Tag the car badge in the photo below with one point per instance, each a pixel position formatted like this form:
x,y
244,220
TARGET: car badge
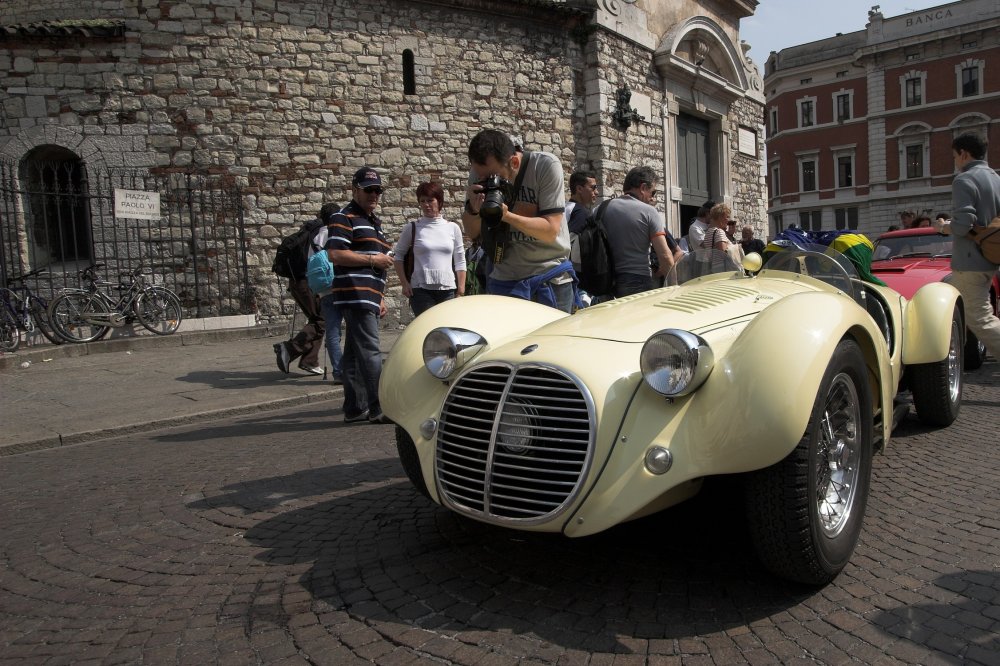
x,y
528,349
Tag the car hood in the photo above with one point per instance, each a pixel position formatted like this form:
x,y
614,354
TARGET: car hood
x,y
692,308
907,274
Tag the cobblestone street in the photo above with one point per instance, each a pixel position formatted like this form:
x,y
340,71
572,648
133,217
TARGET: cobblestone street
x,y
278,538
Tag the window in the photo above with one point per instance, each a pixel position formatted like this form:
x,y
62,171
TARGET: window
x,y
841,74
914,161
56,208
775,181
914,92
843,107
773,121
805,81
971,44
808,175
846,218
409,74
912,53
811,220
779,224
807,111
845,171
969,77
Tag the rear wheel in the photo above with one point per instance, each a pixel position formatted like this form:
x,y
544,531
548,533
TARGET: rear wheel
x,y
937,387
40,315
805,513
10,336
159,310
68,315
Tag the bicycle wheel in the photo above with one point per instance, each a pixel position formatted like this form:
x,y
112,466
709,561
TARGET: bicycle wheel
x,y
159,310
68,316
40,315
10,336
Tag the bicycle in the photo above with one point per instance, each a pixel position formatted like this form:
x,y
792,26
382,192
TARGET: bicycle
x,y
85,315
23,310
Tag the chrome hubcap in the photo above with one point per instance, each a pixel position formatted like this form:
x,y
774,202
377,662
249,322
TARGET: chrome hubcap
x,y
954,367
838,456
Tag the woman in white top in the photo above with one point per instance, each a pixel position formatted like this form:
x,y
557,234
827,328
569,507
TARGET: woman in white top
x,y
438,254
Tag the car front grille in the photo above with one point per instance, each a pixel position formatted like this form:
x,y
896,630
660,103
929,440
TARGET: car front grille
x,y
514,443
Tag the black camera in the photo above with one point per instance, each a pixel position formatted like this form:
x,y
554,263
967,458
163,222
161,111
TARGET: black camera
x,y
498,191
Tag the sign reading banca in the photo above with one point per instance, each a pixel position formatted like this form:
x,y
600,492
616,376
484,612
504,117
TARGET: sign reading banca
x,y
137,204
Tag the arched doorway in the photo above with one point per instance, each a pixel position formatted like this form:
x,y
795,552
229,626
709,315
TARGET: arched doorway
x,y
56,209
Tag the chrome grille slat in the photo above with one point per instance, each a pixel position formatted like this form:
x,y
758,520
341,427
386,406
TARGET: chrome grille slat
x,y
522,433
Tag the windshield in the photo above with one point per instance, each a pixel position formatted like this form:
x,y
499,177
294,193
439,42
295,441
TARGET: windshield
x,y
934,245
700,263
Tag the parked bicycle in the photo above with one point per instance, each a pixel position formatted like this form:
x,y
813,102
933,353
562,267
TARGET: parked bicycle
x,y
85,315
23,310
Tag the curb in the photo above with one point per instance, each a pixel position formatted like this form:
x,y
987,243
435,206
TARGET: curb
x,y
68,439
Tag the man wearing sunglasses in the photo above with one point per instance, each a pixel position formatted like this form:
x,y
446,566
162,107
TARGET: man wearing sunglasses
x,y
634,225
358,250
535,261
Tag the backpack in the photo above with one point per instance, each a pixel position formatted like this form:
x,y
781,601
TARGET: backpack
x,y
597,266
292,254
319,273
988,240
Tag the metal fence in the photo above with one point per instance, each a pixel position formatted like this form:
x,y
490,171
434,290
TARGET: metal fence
x,y
60,216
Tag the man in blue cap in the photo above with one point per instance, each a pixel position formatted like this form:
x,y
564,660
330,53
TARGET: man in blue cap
x,y
358,250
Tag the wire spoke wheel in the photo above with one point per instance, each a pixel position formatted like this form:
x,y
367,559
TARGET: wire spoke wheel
x,y
40,316
10,336
71,316
159,310
838,455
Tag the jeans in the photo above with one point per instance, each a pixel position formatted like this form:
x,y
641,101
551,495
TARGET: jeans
x,y
362,362
979,318
627,284
308,342
333,318
564,296
424,299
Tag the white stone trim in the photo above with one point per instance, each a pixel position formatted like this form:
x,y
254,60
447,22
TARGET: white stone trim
x,y
798,111
850,104
903,78
969,63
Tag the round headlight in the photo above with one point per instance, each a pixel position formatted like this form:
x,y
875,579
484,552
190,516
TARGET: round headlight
x,y
448,349
675,362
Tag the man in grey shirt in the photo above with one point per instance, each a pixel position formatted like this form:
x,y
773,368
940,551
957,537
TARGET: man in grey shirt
x,y
975,200
633,225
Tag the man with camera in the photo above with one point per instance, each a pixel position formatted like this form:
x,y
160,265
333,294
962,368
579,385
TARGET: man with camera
x,y
515,205
358,251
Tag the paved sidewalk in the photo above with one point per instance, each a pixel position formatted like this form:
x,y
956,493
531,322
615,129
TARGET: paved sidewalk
x,y
76,393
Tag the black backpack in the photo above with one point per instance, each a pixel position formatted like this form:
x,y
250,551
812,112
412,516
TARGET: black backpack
x,y
597,266
292,254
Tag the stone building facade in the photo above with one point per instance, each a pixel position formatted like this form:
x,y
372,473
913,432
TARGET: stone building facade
x,y
285,100
860,125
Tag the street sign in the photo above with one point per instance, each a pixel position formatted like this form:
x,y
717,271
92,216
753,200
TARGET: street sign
x,y
137,204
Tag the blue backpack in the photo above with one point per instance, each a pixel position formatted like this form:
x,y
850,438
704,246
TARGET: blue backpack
x,y
319,273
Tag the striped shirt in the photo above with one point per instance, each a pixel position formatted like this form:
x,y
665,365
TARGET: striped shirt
x,y
357,286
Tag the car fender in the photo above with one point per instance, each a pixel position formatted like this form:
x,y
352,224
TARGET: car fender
x,y
928,323
751,412
409,394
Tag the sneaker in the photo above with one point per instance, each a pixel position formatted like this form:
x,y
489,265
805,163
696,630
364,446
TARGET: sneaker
x,y
282,356
378,417
312,371
357,417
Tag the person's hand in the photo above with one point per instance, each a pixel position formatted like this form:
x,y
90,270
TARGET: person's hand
x,y
407,289
460,291
383,310
381,261
945,229
475,196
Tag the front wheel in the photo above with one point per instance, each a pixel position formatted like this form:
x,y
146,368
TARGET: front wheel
x,y
40,315
10,336
805,512
69,313
159,310
937,387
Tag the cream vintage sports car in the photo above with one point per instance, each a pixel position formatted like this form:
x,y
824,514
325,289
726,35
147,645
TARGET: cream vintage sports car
x,y
519,415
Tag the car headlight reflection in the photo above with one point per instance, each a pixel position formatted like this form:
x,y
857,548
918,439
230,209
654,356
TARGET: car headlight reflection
x,y
675,362
448,349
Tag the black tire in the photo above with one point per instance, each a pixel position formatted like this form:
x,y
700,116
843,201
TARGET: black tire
x,y
937,387
10,335
410,461
975,351
159,310
40,315
67,314
805,512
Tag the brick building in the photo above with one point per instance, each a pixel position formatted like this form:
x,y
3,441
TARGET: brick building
x,y
860,125
280,102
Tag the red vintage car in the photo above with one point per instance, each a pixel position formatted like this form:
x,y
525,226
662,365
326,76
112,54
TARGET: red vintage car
x,y
910,258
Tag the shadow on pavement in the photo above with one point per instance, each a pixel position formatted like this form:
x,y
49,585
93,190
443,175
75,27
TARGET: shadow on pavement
x,y
317,418
388,555
243,380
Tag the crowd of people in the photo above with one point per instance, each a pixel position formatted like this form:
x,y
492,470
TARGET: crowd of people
x,y
524,238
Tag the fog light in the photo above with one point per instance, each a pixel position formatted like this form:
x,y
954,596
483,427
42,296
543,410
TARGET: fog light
x,y
428,428
658,460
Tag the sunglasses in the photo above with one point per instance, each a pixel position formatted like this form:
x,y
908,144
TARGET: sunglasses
x,y
373,189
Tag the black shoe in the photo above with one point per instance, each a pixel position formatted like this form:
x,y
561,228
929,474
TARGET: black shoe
x,y
378,417
282,356
357,417
337,379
